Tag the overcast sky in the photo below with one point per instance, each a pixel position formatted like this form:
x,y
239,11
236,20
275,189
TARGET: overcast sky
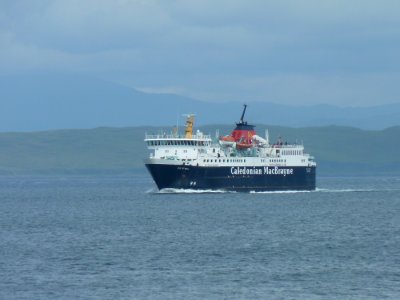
x,y
292,52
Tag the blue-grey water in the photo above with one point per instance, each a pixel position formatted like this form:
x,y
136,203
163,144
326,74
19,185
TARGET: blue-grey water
x,y
115,238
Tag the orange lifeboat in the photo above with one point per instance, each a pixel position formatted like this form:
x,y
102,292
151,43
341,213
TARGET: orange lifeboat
x,y
227,141
243,146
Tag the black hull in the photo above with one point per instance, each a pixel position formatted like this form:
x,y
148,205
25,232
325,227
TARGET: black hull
x,y
241,179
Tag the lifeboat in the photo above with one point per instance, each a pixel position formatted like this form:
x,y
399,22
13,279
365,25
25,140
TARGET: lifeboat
x,y
227,141
243,146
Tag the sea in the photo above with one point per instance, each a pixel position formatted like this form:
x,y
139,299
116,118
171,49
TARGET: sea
x,y
117,237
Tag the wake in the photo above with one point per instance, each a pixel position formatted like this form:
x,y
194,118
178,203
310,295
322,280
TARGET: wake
x,y
210,191
317,190
186,191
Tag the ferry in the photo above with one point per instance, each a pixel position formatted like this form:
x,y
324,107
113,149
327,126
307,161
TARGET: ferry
x,y
241,161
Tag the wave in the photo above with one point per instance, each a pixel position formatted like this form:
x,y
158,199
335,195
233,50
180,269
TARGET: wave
x,y
279,192
187,191
325,190
152,191
210,191
317,190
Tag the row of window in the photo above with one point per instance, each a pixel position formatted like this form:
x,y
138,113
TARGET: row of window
x,y
176,143
292,152
277,160
241,160
223,160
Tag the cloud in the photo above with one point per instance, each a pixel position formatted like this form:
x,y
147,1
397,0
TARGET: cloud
x,y
360,89
89,26
321,51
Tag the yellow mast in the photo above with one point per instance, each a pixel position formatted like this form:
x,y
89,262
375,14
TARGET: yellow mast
x,y
189,126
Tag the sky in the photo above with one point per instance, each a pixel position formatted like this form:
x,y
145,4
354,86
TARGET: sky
x,y
303,52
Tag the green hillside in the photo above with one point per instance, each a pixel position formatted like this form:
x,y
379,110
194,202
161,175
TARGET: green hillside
x,y
121,150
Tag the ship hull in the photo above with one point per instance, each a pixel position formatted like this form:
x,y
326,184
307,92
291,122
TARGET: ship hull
x,y
233,178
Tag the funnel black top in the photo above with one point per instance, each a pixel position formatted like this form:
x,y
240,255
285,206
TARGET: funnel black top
x,y
242,125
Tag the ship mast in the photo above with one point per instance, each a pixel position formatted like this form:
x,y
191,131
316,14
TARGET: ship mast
x,y
242,117
189,126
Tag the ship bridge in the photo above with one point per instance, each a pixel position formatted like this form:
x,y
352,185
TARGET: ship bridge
x,y
179,147
197,140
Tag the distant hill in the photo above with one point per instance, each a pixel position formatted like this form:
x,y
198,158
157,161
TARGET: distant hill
x,y
56,101
338,150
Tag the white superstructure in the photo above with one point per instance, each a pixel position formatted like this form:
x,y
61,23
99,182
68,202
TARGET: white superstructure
x,y
202,150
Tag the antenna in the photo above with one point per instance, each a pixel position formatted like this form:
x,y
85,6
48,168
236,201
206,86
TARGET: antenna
x,y
244,111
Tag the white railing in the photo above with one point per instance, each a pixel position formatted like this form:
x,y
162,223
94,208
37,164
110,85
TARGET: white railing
x,y
176,136
290,146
